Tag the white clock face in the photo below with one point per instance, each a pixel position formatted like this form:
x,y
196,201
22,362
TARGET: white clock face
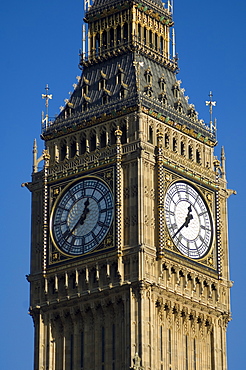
x,y
82,216
188,220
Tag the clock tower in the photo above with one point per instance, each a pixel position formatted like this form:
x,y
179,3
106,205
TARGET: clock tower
x,y
129,244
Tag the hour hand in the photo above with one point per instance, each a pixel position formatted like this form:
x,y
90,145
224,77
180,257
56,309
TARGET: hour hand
x,y
80,220
84,214
188,218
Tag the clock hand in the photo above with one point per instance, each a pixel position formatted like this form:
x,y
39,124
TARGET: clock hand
x,y
80,220
84,214
188,218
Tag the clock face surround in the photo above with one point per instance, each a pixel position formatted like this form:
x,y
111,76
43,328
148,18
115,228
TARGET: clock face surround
x,y
188,220
82,216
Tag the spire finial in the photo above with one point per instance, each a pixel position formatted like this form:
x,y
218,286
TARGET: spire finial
x,y
211,104
222,161
47,97
174,43
170,6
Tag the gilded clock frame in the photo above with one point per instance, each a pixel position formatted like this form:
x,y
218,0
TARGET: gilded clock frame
x,y
57,190
208,194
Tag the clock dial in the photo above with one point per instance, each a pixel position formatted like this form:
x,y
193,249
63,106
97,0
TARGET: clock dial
x,y
188,220
82,216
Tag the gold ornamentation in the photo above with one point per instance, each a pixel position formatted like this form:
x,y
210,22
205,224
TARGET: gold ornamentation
x,y
55,256
169,243
56,191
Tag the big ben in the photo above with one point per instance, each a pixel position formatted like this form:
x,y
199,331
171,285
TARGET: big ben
x,y
129,244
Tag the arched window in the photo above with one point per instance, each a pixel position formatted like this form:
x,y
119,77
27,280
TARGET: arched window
x,y
175,146
111,35
130,32
73,149
104,40
150,139
182,148
139,33
63,151
156,41
198,157
190,152
112,137
175,92
97,44
125,32
148,76
103,139
161,45
145,36
124,134
93,143
166,141
118,35
162,84
163,98
82,145
150,39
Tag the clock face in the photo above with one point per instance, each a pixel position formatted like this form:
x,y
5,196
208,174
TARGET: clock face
x,y
188,220
82,216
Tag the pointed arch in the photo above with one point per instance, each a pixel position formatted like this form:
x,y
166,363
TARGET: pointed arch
x,y
73,147
111,37
82,144
104,40
118,35
97,44
93,141
63,150
125,32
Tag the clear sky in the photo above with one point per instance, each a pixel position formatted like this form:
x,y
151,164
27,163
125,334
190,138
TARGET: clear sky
x,y
40,41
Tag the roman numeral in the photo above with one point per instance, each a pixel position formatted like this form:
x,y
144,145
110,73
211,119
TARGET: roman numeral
x,y
60,223
202,213
101,224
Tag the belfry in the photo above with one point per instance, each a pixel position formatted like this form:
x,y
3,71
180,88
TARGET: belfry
x,y
129,244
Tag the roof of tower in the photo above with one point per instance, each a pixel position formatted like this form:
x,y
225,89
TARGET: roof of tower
x,y
154,88
129,76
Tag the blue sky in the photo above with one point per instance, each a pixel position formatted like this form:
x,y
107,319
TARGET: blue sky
x,y
40,41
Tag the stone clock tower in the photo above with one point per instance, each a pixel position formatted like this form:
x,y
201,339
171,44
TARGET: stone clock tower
x,y
129,246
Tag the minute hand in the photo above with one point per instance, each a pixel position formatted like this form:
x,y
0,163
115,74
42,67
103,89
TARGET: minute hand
x,y
188,218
